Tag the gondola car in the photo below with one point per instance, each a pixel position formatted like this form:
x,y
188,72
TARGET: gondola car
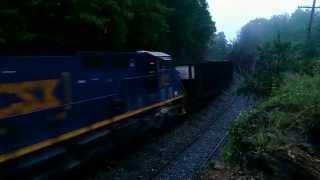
x,y
48,103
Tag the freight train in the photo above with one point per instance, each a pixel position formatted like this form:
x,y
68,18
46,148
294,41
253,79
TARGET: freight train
x,y
58,111
51,106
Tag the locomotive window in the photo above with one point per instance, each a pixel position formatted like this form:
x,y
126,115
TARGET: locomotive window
x,y
93,62
120,63
152,63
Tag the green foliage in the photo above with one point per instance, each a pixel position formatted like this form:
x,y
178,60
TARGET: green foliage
x,y
182,28
219,47
273,60
279,68
310,66
289,116
190,29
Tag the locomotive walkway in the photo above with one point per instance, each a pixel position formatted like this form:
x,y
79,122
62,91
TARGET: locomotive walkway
x,y
185,151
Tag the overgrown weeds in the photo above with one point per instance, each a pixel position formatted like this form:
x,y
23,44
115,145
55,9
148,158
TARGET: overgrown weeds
x,y
280,134
290,116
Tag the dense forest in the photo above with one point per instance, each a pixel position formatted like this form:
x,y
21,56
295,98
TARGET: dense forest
x,y
182,28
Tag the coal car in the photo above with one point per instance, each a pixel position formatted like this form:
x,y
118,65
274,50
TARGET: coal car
x,y
204,81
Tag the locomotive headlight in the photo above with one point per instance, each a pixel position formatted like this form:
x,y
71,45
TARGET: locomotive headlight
x,y
176,93
152,63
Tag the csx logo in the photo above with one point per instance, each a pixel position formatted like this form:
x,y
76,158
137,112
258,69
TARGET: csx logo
x,y
29,102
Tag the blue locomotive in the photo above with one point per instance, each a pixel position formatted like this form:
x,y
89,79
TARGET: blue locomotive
x,y
47,101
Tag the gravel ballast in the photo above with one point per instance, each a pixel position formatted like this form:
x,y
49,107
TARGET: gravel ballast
x,y
183,152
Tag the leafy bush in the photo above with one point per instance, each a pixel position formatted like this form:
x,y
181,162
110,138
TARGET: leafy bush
x,y
310,66
259,84
290,116
273,60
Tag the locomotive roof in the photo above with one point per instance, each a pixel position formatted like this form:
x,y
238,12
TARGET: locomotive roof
x,y
160,55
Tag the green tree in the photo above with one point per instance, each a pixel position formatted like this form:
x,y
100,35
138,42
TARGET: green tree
x,y
55,26
219,47
190,29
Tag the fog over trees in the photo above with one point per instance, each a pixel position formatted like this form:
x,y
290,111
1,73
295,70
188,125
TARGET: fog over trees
x,y
260,32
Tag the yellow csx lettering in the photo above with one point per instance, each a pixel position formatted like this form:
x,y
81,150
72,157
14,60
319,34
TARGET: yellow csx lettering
x,y
29,102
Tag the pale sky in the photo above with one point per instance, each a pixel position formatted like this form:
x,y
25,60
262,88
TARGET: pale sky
x,y
231,15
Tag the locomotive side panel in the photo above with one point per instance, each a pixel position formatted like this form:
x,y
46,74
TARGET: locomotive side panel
x,y
48,100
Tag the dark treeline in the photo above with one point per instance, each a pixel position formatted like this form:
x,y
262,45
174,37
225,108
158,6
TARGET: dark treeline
x,y
182,28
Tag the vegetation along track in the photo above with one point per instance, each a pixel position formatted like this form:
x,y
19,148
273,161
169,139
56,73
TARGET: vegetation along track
x,y
184,151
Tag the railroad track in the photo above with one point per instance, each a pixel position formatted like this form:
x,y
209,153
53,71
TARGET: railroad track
x,y
164,172
179,170
154,159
